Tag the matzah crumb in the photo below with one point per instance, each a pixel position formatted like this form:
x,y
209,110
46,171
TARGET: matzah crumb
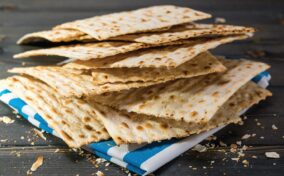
x,y
246,136
274,127
220,20
37,163
6,120
245,162
272,155
39,133
199,148
100,173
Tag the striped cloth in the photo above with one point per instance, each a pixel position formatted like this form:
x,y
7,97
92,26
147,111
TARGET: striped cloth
x,y
141,159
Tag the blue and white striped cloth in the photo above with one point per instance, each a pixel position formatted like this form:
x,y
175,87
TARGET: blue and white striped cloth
x,y
141,159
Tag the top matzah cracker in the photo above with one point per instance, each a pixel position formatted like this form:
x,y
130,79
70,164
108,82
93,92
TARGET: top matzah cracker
x,y
71,82
175,33
191,100
169,56
141,20
73,119
138,128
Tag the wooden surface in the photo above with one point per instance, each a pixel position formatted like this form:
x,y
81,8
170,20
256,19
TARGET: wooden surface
x,y
17,155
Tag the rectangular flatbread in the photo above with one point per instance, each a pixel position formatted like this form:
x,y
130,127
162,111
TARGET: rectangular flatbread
x,y
191,100
127,128
85,51
73,82
141,20
204,63
186,31
73,119
175,33
169,56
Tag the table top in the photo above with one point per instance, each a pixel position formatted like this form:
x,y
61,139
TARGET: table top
x,y
17,153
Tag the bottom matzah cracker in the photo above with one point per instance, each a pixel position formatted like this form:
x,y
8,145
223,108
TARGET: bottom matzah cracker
x,y
138,128
73,119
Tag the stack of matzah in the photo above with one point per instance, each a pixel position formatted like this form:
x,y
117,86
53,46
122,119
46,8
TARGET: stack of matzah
x,y
138,77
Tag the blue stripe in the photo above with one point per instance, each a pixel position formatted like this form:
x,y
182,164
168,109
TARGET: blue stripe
x,y
130,167
136,170
18,105
140,155
45,128
5,91
102,146
40,119
102,155
260,76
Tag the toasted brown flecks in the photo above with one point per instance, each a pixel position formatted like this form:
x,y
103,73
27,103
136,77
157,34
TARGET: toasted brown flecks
x,y
66,136
119,140
164,125
216,93
87,119
139,128
201,101
124,124
63,122
141,106
88,127
193,113
148,125
47,116
222,82
82,136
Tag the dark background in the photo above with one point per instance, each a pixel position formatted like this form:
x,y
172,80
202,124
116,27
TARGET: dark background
x,y
18,17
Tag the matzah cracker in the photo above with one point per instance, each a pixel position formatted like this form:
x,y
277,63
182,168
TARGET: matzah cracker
x,y
191,100
137,128
202,64
55,36
169,56
185,32
175,33
85,51
141,20
71,82
73,119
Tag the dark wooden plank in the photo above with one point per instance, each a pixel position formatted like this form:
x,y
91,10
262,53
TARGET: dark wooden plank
x,y
67,162
47,19
223,164
95,5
